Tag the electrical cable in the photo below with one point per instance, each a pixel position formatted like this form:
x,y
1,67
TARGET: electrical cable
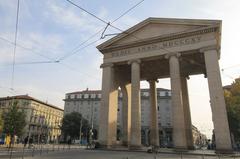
x,y
127,11
26,48
103,29
77,48
123,32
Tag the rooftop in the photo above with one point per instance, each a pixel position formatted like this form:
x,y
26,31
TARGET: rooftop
x,y
87,91
27,97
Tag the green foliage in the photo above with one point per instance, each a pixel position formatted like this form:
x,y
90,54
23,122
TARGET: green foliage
x,y
14,120
71,125
232,98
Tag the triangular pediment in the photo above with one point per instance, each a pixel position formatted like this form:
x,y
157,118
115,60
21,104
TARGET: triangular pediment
x,y
157,27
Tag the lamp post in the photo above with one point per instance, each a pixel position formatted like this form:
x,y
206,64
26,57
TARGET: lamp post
x,y
91,129
80,131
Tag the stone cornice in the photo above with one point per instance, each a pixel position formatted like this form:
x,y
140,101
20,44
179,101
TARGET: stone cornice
x,y
162,38
213,47
153,80
106,65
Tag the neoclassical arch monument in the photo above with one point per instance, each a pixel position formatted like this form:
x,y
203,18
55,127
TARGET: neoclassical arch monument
x,y
160,48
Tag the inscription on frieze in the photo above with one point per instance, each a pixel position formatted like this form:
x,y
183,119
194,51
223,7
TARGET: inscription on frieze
x,y
157,46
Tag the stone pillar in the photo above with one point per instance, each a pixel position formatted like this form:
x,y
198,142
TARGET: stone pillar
x,y
108,109
135,140
219,113
154,135
187,113
126,113
179,135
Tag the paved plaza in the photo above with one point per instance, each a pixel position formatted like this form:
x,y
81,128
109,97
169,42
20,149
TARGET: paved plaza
x,y
82,153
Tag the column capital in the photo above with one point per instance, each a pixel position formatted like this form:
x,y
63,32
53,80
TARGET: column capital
x,y
152,80
176,54
134,61
212,47
185,76
106,65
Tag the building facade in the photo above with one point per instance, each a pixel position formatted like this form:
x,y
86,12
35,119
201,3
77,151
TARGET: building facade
x,y
43,119
88,102
199,139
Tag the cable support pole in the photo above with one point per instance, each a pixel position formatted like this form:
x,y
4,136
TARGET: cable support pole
x,y
15,44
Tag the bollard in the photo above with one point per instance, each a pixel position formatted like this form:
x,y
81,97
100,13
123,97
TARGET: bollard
x,y
181,155
40,150
202,156
23,153
11,149
33,149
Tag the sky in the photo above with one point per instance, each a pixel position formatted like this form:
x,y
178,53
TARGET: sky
x,y
49,30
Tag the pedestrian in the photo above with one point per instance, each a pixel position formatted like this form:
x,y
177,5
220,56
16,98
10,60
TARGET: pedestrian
x,y
25,141
30,142
7,141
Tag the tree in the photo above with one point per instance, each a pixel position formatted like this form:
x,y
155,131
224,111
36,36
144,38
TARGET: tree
x,y
232,98
14,120
71,125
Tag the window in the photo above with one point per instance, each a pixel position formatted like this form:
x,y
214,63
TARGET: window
x,y
93,95
120,94
85,96
161,93
169,93
145,94
75,96
166,94
72,96
99,95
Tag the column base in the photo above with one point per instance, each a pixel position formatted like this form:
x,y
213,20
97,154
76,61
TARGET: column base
x,y
135,147
125,143
180,149
105,146
191,148
224,151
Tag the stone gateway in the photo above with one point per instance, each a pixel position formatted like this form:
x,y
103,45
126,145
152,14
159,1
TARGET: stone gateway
x,y
160,48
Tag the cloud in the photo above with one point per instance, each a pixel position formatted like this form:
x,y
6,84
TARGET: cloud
x,y
71,18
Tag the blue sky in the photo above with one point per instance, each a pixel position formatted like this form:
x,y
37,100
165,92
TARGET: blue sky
x,y
53,28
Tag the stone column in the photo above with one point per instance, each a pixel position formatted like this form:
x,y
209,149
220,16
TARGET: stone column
x,y
135,140
108,109
179,135
154,135
219,114
187,113
126,113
